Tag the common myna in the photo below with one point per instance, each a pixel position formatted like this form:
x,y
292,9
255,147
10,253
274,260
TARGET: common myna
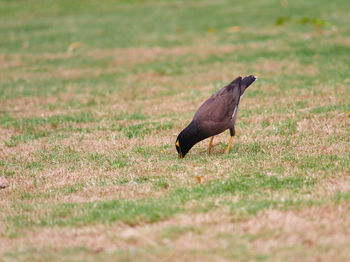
x,y
214,116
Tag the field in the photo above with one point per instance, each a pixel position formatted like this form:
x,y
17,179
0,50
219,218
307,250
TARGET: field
x,y
94,93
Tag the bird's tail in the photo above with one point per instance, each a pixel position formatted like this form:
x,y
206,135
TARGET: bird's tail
x,y
247,81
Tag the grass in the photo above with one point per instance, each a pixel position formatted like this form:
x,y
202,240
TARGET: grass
x,y
152,210
92,97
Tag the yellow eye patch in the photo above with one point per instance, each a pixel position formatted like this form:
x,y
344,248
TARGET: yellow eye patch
x,y
177,143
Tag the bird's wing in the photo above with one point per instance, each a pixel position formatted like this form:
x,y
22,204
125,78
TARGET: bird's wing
x,y
215,109
220,106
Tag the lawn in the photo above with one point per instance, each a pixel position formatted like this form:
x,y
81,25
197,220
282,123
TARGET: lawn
x,y
94,93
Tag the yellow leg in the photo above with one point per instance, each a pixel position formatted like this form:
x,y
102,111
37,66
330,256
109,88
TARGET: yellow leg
x,y
229,145
210,144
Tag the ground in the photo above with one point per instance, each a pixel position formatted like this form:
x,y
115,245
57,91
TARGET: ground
x,y
94,93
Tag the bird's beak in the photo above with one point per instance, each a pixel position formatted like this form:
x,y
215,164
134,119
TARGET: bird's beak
x,y
180,155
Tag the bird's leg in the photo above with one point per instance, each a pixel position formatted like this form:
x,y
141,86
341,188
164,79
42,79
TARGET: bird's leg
x,y
229,145
232,133
210,144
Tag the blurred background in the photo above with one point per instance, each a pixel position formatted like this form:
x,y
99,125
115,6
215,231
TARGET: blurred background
x,y
77,40
94,93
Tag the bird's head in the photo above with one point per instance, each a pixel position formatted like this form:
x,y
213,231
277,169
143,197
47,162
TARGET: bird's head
x,y
187,138
183,143
178,148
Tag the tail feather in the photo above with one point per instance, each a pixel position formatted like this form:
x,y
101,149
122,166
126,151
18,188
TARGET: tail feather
x,y
248,80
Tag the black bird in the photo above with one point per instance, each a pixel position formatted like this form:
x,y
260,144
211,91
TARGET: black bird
x,y
214,116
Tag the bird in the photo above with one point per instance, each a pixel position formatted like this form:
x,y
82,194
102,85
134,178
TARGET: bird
x,y
217,114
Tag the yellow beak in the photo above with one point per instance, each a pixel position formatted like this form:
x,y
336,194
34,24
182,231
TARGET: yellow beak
x,y
180,155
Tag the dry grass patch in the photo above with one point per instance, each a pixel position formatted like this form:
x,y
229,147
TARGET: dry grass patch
x,y
307,234
313,228
284,67
8,62
133,56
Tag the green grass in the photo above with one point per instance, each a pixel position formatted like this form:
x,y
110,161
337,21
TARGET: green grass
x,y
87,134
151,210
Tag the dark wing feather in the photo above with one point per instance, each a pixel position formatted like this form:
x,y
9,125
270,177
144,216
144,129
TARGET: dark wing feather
x,y
215,109
216,112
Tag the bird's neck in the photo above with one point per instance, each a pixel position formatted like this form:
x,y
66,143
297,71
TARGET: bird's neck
x,y
192,134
